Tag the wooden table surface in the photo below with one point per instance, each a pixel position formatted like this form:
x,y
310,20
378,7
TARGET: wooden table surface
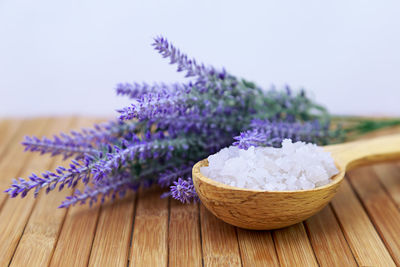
x,y
361,226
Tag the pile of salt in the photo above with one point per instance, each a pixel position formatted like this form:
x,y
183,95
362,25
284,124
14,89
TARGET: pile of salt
x,y
295,166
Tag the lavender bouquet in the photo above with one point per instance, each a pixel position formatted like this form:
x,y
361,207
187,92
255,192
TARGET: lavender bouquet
x,y
168,127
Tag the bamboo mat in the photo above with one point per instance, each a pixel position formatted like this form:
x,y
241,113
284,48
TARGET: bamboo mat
x,y
361,226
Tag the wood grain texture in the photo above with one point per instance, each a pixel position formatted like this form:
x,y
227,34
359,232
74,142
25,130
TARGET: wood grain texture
x,y
41,231
365,243
150,230
15,160
76,238
362,221
77,234
219,240
184,235
357,153
111,243
15,213
257,248
8,133
293,247
373,196
8,139
327,240
389,176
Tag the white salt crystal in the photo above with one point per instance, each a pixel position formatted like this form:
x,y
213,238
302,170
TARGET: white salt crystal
x,y
295,166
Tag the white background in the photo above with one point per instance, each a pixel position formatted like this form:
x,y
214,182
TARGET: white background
x,y
65,57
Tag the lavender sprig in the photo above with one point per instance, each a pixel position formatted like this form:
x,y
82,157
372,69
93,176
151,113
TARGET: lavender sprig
x,y
137,90
270,133
170,126
64,145
105,133
140,151
171,175
109,188
151,105
184,191
190,66
50,180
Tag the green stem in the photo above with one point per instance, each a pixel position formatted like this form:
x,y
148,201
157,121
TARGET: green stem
x,y
362,125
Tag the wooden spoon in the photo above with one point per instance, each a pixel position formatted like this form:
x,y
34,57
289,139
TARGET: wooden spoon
x,y
264,210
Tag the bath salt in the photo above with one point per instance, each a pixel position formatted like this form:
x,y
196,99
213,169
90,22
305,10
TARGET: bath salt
x,y
294,166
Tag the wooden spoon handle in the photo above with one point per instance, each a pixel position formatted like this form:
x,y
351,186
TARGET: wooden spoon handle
x,y
349,155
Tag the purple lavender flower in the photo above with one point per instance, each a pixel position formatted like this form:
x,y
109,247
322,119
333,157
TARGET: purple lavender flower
x,y
190,66
183,190
269,133
137,90
85,141
153,148
201,121
151,105
168,177
64,145
108,188
167,128
50,180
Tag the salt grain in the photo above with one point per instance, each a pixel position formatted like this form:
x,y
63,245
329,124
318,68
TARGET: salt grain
x,y
295,166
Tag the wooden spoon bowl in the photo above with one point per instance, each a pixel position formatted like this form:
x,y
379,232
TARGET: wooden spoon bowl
x,y
265,210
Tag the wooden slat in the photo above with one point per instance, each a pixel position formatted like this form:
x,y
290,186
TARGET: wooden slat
x,y
219,240
8,132
327,240
111,243
184,235
112,232
365,243
3,130
8,139
41,232
293,247
257,248
9,166
15,212
358,223
374,197
150,230
389,176
76,237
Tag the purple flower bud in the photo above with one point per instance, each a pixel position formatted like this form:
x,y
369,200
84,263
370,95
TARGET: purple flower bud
x,y
183,190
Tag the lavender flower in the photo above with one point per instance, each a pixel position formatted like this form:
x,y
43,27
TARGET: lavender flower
x,y
50,180
85,141
183,190
138,151
269,133
167,128
137,90
191,67
171,175
64,145
109,188
152,105
134,90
